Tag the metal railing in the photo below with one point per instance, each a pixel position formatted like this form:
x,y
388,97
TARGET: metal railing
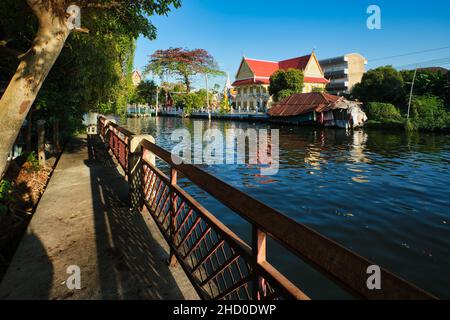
x,y
118,140
219,264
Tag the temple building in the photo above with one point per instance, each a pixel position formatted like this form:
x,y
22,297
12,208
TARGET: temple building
x,y
136,77
253,80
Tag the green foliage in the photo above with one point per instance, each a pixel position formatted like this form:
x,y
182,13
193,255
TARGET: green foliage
x,y
93,72
6,196
383,112
410,126
33,160
191,101
145,92
182,63
429,82
284,82
428,113
283,94
383,84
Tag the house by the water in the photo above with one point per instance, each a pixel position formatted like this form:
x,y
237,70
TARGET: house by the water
x,y
253,80
318,108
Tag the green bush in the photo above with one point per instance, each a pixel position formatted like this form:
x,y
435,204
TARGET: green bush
x,y
428,113
382,112
33,160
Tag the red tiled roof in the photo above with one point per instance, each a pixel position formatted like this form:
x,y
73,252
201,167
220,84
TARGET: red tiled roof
x,y
303,103
315,80
250,81
296,63
261,68
264,69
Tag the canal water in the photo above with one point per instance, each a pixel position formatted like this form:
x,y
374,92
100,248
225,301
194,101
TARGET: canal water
x,y
383,194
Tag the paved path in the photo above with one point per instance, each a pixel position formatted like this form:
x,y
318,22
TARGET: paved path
x,y
83,219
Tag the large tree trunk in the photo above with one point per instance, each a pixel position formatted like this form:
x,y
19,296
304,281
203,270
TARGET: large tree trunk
x,y
31,73
187,82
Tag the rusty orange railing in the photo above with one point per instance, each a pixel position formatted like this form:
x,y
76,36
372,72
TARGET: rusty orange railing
x,y
219,264
118,140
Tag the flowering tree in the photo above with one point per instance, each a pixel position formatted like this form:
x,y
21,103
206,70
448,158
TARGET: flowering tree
x,y
183,63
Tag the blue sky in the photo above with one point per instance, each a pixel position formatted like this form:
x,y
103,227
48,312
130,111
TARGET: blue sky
x,y
276,30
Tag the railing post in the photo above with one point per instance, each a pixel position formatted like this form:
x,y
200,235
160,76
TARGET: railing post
x,y
136,172
173,210
259,256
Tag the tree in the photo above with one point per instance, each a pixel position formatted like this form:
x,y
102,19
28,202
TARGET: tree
x,y
428,112
429,82
34,65
284,83
183,63
383,84
145,92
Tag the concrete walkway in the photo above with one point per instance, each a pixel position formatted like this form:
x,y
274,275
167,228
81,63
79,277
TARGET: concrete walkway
x,y
83,220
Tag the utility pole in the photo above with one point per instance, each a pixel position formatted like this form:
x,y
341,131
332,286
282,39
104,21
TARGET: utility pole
x,y
157,101
207,97
411,93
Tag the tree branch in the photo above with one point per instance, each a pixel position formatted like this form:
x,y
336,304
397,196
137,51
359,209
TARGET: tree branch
x,y
109,5
9,51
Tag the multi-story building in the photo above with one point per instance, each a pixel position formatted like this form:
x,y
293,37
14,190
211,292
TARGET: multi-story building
x,y
344,72
253,80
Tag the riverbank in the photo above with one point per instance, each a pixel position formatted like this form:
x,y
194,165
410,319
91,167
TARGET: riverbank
x,y
264,118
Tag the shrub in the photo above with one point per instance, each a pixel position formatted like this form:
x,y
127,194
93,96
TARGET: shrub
x,y
33,160
383,112
428,113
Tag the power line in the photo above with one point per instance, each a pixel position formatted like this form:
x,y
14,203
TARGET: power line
x,y
428,62
409,54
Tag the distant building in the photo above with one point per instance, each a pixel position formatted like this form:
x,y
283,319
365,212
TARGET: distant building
x,y
344,72
136,78
253,79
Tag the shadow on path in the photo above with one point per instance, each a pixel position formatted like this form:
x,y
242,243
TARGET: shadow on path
x,y
131,263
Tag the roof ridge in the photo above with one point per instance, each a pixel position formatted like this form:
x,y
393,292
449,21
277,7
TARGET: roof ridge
x,y
260,60
307,55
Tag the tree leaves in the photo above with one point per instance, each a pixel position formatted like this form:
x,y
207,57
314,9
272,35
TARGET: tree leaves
x,y
284,83
183,63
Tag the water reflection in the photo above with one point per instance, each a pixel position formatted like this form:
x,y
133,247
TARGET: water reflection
x,y
381,193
